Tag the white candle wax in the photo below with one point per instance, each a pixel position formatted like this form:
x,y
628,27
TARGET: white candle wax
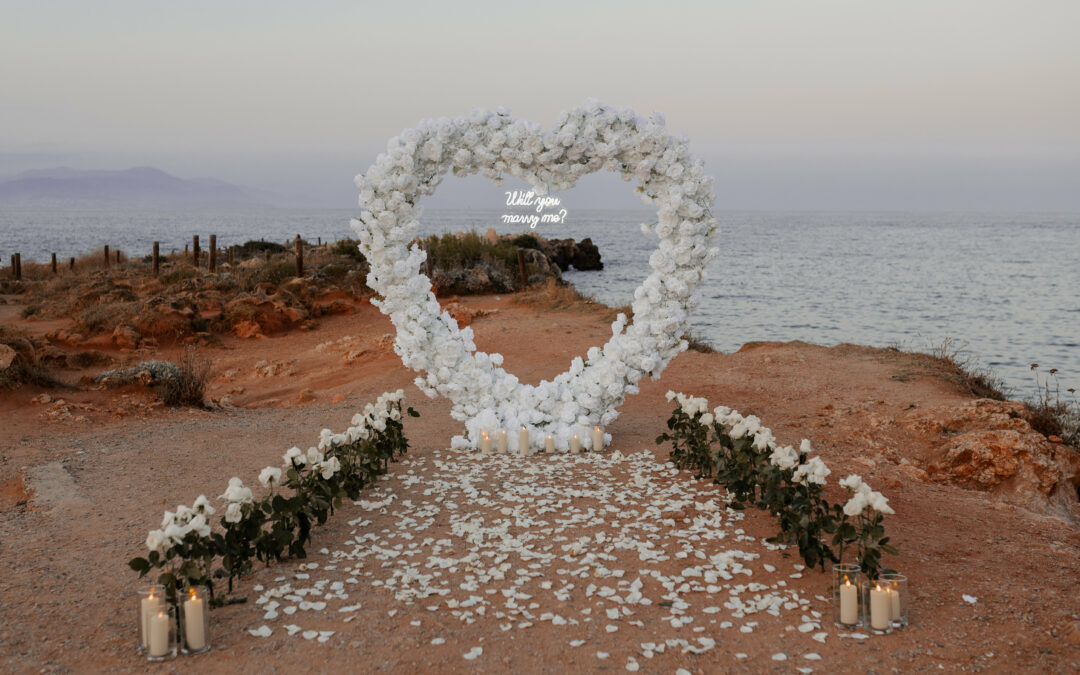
x,y
194,623
150,606
597,439
502,441
159,634
523,442
575,444
880,608
549,444
894,597
849,603
485,442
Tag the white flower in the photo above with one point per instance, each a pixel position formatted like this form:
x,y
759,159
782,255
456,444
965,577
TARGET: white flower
x,y
294,457
879,503
855,505
155,541
813,471
763,439
707,419
314,456
270,476
852,483
737,431
784,457
236,492
202,505
804,447
175,533
234,512
199,525
328,468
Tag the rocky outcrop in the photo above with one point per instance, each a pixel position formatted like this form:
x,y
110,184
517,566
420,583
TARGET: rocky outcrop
x,y
583,255
989,445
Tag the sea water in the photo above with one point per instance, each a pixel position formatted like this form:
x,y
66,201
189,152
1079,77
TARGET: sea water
x,y
1004,287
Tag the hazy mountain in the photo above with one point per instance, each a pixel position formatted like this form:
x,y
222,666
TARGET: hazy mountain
x,y
140,187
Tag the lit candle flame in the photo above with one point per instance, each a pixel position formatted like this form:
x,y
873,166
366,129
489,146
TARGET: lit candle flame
x,y
847,580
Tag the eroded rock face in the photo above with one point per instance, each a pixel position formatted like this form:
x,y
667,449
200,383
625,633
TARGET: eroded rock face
x,y
988,445
583,255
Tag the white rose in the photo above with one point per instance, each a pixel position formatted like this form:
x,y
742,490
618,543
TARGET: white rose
x,y
199,525
294,457
270,476
707,419
879,503
233,513
202,505
784,457
329,468
155,541
855,505
314,456
852,482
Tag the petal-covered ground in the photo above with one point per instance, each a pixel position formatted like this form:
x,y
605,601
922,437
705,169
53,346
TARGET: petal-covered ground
x,y
621,558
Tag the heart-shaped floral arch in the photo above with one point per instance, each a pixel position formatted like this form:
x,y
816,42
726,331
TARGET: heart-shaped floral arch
x,y
586,139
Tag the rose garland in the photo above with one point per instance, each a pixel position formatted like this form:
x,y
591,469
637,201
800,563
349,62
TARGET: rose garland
x,y
788,483
586,139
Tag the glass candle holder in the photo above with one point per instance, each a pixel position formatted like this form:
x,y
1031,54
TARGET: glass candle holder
x,y
149,601
877,607
195,620
161,634
898,598
846,595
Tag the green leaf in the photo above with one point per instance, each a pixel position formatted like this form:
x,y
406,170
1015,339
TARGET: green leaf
x,y
140,565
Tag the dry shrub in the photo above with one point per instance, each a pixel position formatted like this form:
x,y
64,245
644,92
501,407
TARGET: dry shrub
x,y
186,386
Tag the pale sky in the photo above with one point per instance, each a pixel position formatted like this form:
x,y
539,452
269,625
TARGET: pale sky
x,y
820,104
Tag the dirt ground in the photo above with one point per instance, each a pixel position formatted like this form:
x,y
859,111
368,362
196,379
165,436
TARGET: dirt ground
x,y
84,476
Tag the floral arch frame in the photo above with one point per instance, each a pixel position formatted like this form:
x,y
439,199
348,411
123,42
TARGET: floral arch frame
x,y
586,139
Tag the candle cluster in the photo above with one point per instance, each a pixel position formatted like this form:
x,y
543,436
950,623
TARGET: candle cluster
x,y
879,605
579,442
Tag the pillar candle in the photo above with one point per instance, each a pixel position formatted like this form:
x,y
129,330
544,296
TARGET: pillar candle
x,y
502,441
597,439
194,623
150,606
880,607
894,597
159,634
485,442
523,442
849,603
549,444
575,445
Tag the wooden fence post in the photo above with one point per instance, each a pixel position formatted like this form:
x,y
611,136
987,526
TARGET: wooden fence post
x,y
299,257
157,259
16,266
230,256
71,264
521,268
213,252
195,250
118,257
54,264
106,256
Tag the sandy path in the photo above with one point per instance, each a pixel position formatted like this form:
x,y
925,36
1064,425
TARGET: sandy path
x,y
64,585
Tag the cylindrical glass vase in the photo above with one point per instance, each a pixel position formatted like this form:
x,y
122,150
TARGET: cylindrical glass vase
x,y
877,607
898,598
195,621
846,595
149,601
161,634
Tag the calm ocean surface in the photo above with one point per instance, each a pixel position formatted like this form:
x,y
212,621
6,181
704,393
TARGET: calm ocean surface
x,y
1005,286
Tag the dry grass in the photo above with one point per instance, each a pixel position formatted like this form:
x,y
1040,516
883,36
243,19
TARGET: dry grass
x,y
966,372
188,386
1054,413
553,296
